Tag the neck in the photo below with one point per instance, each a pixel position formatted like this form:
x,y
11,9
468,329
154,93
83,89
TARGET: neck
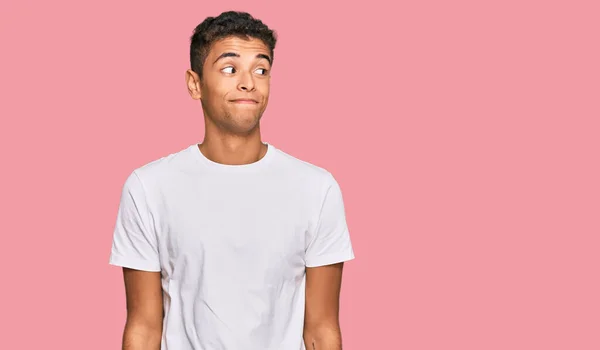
x,y
232,149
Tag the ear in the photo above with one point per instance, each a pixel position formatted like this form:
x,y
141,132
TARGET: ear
x,y
193,83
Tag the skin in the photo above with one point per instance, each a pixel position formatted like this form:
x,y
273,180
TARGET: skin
x,y
321,319
143,328
234,93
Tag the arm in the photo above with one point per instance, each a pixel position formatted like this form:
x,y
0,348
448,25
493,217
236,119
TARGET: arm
x,y
321,324
143,328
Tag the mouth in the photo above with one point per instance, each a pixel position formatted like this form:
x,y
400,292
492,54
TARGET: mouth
x,y
244,101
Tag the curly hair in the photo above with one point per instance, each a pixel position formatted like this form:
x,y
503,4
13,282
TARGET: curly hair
x,y
229,23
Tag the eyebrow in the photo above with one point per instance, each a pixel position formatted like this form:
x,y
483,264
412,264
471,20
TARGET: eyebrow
x,y
233,54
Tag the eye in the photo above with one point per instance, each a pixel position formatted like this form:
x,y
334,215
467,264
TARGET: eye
x,y
229,70
264,71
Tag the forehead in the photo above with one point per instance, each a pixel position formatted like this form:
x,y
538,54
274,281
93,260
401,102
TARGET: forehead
x,y
251,46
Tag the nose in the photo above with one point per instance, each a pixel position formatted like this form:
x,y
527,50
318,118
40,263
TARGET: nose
x,y
246,82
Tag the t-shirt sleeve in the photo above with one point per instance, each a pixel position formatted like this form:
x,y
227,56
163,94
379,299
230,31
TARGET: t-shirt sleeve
x,y
134,241
330,242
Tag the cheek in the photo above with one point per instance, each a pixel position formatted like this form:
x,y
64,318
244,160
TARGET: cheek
x,y
265,88
215,88
214,94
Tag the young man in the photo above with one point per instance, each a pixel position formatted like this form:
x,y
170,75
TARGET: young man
x,y
231,243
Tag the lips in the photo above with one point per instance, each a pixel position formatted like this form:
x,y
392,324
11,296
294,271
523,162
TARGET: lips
x,y
244,100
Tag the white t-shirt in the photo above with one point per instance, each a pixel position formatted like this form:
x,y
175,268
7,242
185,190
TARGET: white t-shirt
x,y
232,243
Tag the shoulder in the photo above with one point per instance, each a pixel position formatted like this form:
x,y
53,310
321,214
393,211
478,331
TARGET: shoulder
x,y
304,170
163,168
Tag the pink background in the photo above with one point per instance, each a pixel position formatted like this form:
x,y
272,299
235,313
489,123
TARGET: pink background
x,y
465,136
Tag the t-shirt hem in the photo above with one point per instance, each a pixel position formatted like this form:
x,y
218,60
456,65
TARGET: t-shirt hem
x,y
330,259
133,264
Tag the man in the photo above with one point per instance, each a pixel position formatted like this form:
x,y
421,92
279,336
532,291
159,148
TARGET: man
x,y
231,243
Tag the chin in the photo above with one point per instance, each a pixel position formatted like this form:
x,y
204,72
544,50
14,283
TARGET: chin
x,y
242,125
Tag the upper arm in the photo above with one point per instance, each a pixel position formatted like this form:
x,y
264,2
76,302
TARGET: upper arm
x,y
329,246
323,286
143,329
135,249
144,298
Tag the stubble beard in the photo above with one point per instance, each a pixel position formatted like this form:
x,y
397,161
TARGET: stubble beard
x,y
228,123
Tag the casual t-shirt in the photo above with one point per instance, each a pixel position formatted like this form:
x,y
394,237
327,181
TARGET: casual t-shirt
x,y
231,243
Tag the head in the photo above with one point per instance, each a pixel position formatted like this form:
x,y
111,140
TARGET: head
x,y
231,58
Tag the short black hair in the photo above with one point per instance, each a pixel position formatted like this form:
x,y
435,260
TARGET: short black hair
x,y
229,23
